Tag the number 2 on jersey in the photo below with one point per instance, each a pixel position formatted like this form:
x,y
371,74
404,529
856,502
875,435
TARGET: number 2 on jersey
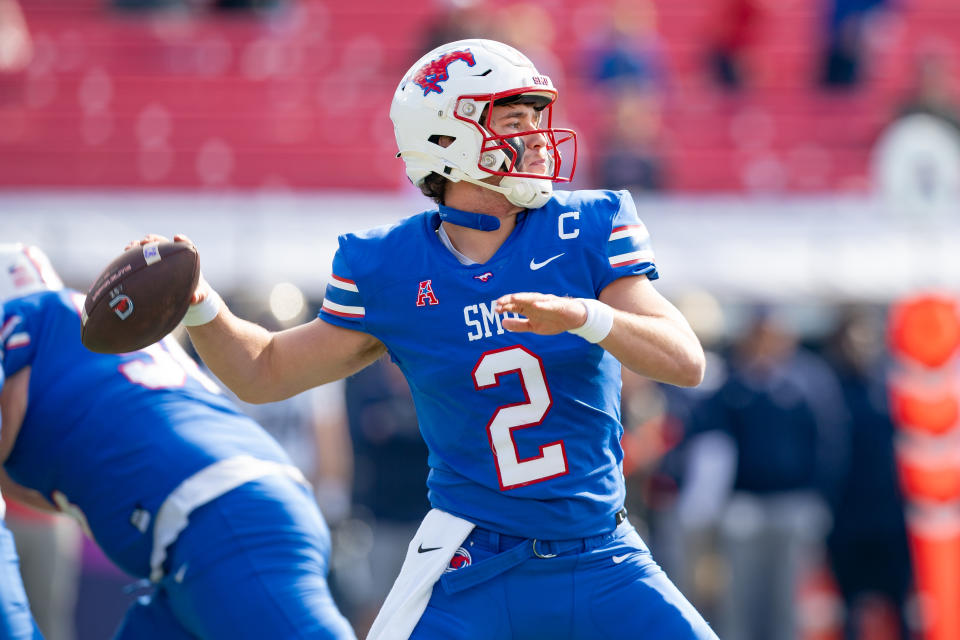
x,y
512,471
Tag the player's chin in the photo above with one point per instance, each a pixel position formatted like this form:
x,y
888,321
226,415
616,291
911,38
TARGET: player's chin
x,y
537,168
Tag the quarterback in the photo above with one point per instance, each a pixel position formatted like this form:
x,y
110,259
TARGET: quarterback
x,y
510,308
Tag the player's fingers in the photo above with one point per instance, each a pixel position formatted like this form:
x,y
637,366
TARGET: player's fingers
x,y
519,297
201,292
518,302
150,237
516,325
203,287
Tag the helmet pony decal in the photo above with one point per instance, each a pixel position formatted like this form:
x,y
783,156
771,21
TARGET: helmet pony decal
x,y
434,72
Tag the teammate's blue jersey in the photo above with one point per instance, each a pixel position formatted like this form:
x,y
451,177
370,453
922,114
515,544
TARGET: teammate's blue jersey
x,y
112,435
523,429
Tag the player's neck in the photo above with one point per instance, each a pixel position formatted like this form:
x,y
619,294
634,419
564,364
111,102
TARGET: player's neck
x,y
479,245
476,244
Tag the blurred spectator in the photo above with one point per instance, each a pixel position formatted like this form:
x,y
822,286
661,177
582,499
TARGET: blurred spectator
x,y
459,20
49,547
530,28
233,5
774,436
916,160
845,42
734,31
657,419
868,549
626,64
628,54
630,153
389,490
149,5
16,46
935,92
649,433
215,5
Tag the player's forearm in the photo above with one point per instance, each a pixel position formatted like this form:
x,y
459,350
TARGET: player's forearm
x,y
234,350
663,348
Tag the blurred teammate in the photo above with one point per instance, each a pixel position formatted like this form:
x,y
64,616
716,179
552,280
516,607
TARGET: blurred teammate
x,y
172,482
507,310
16,622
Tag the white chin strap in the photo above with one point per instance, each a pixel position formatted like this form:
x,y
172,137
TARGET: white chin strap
x,y
529,193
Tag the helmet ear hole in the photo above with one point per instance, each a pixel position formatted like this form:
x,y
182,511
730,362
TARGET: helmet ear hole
x,y
442,141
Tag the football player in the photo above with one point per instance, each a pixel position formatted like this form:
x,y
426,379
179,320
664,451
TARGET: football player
x,y
510,308
170,480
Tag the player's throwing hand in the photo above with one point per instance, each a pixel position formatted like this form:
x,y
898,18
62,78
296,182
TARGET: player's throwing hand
x,y
542,313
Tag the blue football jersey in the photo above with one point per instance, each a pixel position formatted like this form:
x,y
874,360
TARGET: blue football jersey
x,y
523,429
107,437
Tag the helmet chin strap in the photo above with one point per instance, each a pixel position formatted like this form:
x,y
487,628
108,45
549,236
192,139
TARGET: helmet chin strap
x,y
529,193
480,221
518,191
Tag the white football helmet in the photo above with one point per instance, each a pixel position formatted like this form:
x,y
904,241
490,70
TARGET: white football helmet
x,y
448,92
25,270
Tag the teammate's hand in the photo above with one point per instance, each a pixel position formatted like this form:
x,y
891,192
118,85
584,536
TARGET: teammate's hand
x,y
203,287
543,313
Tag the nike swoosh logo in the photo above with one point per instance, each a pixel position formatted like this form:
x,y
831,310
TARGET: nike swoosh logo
x,y
534,265
422,549
619,559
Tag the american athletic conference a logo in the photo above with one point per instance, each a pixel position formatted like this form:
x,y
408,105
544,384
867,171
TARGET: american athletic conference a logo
x,y
434,72
425,294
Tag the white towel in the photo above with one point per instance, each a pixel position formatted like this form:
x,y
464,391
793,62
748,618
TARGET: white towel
x,y
439,536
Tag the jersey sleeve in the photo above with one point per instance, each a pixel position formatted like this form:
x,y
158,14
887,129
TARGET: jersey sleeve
x,y
629,251
17,345
342,302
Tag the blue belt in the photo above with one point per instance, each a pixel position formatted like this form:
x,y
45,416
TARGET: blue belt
x,y
516,550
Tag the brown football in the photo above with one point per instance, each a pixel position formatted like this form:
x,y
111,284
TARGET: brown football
x,y
140,297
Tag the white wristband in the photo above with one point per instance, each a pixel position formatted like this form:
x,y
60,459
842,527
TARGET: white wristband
x,y
204,311
599,321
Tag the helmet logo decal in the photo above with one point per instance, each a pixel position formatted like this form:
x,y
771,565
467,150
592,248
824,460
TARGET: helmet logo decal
x,y
434,72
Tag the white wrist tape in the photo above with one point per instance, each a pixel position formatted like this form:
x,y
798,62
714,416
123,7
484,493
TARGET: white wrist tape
x,y
203,312
599,321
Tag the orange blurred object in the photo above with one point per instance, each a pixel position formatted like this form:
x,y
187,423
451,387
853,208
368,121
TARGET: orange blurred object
x,y
919,405
928,474
926,329
821,606
935,545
